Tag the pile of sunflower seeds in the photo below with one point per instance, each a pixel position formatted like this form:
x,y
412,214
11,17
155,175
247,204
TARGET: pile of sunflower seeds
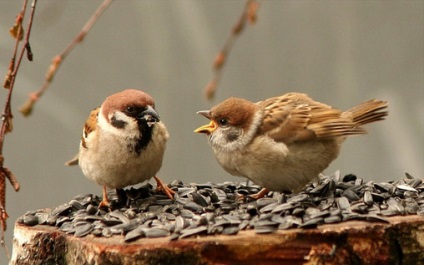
x,y
226,208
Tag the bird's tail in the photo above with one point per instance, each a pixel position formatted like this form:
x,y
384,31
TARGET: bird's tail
x,y
369,111
73,161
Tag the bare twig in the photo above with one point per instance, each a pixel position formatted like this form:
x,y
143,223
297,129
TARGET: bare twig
x,y
7,117
27,107
248,15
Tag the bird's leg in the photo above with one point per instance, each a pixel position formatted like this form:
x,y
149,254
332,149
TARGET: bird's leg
x,y
105,201
161,186
260,194
120,194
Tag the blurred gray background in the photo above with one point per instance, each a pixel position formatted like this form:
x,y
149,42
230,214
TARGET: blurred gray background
x,y
339,52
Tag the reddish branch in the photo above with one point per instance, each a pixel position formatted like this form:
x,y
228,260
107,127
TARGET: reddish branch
x,y
7,117
248,16
28,106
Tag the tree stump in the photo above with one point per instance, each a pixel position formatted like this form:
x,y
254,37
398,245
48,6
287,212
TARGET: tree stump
x,y
401,241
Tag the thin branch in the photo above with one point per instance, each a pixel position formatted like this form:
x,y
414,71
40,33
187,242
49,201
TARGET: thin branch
x,y
27,107
7,117
249,15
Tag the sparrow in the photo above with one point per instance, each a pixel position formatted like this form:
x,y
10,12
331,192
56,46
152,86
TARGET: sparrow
x,y
283,142
123,143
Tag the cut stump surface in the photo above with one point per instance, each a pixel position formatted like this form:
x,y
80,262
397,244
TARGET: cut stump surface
x,y
401,241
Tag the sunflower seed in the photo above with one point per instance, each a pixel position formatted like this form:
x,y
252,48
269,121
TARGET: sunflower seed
x,y
66,227
270,207
186,214
42,218
408,175
30,220
194,207
120,216
415,183
63,209
406,188
234,220
298,198
384,187
193,231
243,224
180,224
262,202
349,177
83,230
97,232
283,207
367,197
312,222
106,232
395,205
62,219
319,214
156,232
343,203
350,195
265,229
230,230
299,211
332,219
199,199
389,212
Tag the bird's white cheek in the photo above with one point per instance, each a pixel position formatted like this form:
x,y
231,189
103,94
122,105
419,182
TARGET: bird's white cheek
x,y
225,140
128,126
216,139
235,138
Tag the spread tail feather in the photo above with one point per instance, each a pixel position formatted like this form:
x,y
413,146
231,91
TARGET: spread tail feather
x,y
73,161
369,111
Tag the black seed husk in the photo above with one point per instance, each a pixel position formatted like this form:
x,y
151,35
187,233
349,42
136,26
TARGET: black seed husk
x,y
226,208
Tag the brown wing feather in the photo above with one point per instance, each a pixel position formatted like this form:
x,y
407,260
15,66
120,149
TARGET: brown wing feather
x,y
287,118
89,126
296,117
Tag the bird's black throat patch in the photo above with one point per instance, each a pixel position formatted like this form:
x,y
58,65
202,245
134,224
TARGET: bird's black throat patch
x,y
145,135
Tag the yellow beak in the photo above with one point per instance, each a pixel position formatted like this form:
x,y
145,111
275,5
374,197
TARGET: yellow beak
x,y
208,128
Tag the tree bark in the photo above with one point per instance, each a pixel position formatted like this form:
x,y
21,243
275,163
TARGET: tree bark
x,y
355,242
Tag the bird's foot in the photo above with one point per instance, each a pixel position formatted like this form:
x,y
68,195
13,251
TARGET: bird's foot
x,y
260,194
161,186
105,201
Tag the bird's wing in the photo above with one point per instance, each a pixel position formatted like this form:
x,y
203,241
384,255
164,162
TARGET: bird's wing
x,y
296,117
89,127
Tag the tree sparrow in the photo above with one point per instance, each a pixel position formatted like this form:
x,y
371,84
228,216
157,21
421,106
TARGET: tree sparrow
x,y
283,142
123,143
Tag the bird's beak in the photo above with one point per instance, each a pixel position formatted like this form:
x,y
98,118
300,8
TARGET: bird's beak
x,y
150,115
209,128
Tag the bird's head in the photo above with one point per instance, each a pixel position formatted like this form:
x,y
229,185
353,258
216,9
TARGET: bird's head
x,y
233,123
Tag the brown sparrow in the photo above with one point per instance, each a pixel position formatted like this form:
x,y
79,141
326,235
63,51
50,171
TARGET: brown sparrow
x,y
283,142
123,143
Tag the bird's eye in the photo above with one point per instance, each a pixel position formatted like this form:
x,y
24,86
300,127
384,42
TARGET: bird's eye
x,y
223,122
130,109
